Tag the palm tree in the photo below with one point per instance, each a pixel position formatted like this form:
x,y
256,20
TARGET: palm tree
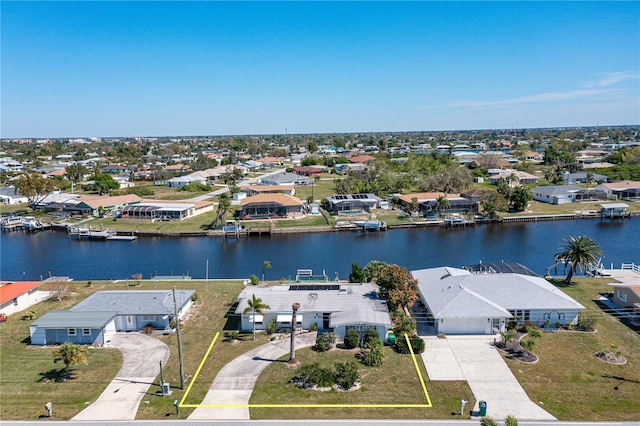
x,y
265,265
70,354
294,319
224,207
442,203
579,250
255,307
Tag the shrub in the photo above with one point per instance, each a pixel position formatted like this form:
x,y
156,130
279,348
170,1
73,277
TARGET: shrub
x,y
254,280
404,324
372,334
271,326
346,374
510,421
314,326
417,345
372,355
586,321
325,341
234,335
313,374
141,191
351,338
568,325
148,329
30,315
196,187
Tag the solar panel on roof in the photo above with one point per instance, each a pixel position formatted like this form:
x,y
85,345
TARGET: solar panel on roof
x,y
314,287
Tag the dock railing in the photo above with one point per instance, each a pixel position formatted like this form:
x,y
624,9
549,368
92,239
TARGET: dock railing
x,y
631,266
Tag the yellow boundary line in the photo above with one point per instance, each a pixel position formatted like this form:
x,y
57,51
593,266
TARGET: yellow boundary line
x,y
195,376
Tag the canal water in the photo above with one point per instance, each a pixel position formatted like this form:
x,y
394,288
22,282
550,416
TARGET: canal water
x,y
29,256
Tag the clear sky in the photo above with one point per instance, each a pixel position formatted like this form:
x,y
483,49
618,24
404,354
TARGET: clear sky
x,y
119,68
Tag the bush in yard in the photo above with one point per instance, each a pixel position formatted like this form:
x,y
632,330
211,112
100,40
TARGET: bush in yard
x,y
417,344
271,326
254,280
310,375
325,341
346,374
351,338
372,334
586,321
372,355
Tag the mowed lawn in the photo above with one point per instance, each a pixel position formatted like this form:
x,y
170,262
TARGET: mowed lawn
x,y
570,381
395,382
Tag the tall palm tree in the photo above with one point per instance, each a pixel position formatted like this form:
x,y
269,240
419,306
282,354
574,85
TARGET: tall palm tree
x,y
578,250
265,265
255,307
442,203
294,319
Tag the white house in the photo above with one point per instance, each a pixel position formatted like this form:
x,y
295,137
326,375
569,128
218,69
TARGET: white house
x,y
329,306
463,302
20,295
553,194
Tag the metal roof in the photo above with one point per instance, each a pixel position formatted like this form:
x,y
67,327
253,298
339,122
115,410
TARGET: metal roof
x,y
74,319
135,302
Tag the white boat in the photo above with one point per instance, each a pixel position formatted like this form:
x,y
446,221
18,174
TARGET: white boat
x,y
84,233
30,223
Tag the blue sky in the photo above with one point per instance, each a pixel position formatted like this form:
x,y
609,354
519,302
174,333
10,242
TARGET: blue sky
x,y
213,68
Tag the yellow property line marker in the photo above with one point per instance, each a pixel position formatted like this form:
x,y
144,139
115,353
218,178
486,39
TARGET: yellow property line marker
x,y
195,376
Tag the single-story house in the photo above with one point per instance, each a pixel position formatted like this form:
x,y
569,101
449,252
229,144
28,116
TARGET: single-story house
x,y
8,195
626,294
164,210
428,203
352,203
515,177
335,307
58,201
363,159
286,179
344,168
265,189
309,170
583,177
555,194
459,301
269,205
624,190
136,309
94,204
113,169
81,328
179,182
19,295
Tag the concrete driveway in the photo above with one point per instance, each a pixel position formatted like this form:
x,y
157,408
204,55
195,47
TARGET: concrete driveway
x,y
235,381
474,359
140,367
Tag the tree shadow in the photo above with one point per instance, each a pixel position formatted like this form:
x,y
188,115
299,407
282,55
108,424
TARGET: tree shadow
x,y
622,379
55,375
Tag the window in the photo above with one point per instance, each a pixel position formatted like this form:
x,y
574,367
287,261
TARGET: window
x,y
71,332
15,302
622,296
86,332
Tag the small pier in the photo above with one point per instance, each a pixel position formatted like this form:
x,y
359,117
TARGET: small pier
x,y
456,220
539,218
371,225
83,233
122,238
613,211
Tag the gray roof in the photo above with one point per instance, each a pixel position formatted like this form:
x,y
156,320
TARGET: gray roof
x,y
452,292
74,319
285,178
555,190
135,302
355,302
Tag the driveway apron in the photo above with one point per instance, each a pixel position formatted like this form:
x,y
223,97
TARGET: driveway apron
x,y
235,381
474,359
141,358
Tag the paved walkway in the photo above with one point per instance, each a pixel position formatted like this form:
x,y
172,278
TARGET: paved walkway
x,y
472,358
140,367
234,383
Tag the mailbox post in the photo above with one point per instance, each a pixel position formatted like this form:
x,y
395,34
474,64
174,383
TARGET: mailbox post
x,y
175,404
49,408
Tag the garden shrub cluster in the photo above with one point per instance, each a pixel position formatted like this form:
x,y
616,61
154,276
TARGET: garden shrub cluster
x,y
344,374
417,345
325,341
351,339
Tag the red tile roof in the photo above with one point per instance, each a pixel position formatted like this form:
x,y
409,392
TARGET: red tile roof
x,y
11,290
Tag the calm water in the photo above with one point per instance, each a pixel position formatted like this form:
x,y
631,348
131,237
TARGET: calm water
x,y
31,255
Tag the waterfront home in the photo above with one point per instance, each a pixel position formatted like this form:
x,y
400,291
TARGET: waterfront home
x,y
96,318
459,301
164,210
95,205
58,201
331,307
271,205
352,203
180,181
428,204
286,179
19,295
515,178
624,190
626,295
8,195
555,194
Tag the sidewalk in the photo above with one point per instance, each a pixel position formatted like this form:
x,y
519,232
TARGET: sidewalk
x,y
234,383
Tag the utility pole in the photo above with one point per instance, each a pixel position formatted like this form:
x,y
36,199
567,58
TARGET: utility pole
x,y
175,310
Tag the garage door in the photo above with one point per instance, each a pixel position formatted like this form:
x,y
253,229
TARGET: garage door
x,y
464,326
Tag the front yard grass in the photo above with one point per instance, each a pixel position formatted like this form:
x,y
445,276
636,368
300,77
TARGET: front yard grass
x,y
570,381
395,382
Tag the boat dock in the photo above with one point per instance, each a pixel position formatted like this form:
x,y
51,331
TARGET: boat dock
x,y
17,223
84,233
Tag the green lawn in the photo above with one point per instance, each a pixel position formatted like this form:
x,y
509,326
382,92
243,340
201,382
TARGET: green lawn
x,y
570,381
323,188
395,382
